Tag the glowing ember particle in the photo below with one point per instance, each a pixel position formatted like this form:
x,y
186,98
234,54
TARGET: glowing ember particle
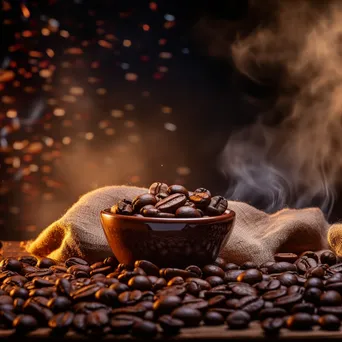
x,y
35,54
54,24
6,75
8,99
169,24
146,27
45,31
163,69
158,75
16,162
95,65
117,113
48,196
66,65
11,114
45,73
105,44
101,91
110,36
48,141
130,76
74,51
110,131
47,87
29,90
126,43
89,136
19,145
69,98
26,34
169,17
183,170
135,179
50,52
165,55
153,6
64,34
129,124
35,147
134,138
51,102
162,41
170,126
103,124
33,168
76,91
66,140
129,107
166,110
59,112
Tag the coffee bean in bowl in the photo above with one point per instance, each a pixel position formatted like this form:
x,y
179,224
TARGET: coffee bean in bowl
x,y
169,225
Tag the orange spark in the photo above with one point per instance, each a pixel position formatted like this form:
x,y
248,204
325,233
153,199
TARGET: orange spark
x,y
25,10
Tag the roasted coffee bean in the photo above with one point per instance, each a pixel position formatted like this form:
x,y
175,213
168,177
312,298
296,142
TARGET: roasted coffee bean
x,y
328,258
229,266
214,281
213,318
175,281
232,275
330,298
244,290
157,188
197,303
19,292
125,276
58,269
334,310
232,303
203,284
336,268
275,294
200,199
217,206
97,319
281,267
288,279
106,296
335,278
171,203
193,288
130,297
63,286
144,329
177,189
317,271
170,325
5,299
148,267
269,285
103,270
149,212
25,323
217,301
329,322
15,280
46,263
295,289
288,301
311,255
170,273
121,326
166,215
271,313
238,320
11,264
135,310
300,321
272,325
59,304
79,268
86,307
213,270
6,318
312,295
75,261
18,304
250,304
119,287
159,284
166,304
303,307
187,212
79,322
61,321
123,207
195,270
314,282
250,276
288,257
140,282
28,259
248,265
85,293
304,263
40,282
190,317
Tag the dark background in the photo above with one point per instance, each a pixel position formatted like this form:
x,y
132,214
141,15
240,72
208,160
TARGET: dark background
x,y
170,123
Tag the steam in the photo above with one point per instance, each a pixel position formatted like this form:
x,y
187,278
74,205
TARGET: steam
x,y
298,162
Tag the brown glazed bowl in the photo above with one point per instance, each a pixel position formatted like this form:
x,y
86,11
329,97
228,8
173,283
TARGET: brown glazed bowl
x,y
167,242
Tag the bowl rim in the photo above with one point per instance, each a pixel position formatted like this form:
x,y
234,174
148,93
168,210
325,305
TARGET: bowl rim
x,y
229,215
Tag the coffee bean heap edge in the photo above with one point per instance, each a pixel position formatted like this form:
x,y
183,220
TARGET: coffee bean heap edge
x,y
145,300
173,201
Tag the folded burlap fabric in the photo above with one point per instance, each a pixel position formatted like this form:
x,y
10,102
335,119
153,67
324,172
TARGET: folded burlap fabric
x,y
257,236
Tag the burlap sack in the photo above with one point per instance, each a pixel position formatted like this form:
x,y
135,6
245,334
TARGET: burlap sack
x,y
256,236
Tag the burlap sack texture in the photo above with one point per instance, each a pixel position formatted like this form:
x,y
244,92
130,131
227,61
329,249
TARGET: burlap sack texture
x,y
257,236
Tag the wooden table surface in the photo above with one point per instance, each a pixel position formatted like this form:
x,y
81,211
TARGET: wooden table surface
x,y
219,333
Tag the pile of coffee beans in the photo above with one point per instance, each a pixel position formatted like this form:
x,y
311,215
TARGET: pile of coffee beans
x,y
293,292
173,201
